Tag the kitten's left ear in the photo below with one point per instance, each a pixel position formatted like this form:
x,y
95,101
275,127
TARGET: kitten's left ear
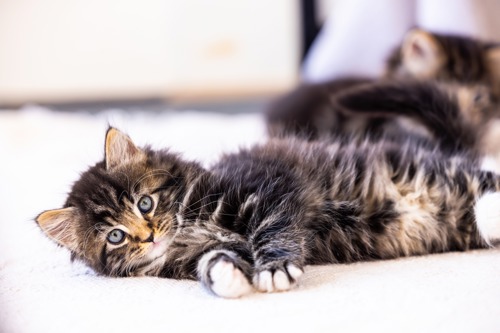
x,y
422,54
59,225
119,148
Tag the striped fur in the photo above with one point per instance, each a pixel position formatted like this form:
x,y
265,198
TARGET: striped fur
x,y
259,216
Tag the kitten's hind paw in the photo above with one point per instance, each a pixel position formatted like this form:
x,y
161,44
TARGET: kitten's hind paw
x,y
219,273
277,279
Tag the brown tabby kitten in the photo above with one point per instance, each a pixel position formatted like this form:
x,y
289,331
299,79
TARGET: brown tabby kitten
x,y
257,217
310,110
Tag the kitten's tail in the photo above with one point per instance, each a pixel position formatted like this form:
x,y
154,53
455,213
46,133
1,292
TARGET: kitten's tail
x,y
431,104
307,110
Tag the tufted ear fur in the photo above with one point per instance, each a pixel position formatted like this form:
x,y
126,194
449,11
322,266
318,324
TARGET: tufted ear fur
x,y
59,225
119,148
422,55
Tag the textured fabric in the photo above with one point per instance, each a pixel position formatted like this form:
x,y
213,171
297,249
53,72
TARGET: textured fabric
x,y
41,291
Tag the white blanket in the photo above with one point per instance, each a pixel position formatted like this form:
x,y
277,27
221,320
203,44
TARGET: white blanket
x,y
43,152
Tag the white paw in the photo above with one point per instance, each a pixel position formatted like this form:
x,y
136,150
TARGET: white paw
x,y
266,281
228,281
487,214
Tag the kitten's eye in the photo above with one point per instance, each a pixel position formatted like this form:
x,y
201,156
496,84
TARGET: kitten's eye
x,y
145,204
477,98
116,236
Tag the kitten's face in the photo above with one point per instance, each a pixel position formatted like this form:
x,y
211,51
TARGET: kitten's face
x,y
424,55
120,215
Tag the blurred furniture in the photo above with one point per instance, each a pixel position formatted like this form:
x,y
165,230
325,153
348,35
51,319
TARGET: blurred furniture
x,y
56,51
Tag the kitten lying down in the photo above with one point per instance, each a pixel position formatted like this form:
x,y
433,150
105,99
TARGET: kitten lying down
x,y
256,218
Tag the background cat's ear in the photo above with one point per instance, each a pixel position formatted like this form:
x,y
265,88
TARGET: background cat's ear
x,y
493,60
119,148
422,55
59,225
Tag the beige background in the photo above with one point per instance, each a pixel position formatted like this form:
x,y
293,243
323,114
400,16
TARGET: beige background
x,y
59,50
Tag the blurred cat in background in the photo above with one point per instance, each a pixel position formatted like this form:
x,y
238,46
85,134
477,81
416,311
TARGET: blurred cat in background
x,y
444,88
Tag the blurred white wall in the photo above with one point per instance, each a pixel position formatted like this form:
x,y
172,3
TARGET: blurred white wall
x,y
77,50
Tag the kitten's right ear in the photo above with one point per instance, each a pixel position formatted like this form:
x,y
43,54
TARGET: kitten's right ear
x,y
422,55
119,148
59,225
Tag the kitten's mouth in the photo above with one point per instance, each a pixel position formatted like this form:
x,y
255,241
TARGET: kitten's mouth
x,y
158,247
159,241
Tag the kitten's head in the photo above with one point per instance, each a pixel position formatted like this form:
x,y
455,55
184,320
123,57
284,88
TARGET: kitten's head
x,y
120,215
425,55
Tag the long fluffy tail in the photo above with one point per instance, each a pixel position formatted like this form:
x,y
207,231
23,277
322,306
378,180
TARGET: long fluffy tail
x,y
307,111
430,104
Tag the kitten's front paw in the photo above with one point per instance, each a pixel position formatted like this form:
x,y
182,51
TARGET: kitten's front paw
x,y
277,279
218,272
228,281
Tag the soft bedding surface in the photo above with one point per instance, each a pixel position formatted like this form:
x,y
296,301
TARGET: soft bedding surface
x,y
42,153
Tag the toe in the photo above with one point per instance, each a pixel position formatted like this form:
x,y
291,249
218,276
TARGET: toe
x,y
281,281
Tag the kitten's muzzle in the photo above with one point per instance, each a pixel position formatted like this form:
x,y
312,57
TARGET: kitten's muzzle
x,y
150,239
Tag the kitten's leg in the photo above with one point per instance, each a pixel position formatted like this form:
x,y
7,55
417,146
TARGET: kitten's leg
x,y
279,256
487,213
221,260
225,273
